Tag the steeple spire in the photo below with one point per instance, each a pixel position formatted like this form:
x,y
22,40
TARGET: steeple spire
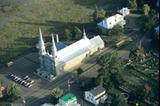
x,y
54,49
57,38
84,34
41,43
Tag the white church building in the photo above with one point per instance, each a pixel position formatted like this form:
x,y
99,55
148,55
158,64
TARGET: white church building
x,y
64,58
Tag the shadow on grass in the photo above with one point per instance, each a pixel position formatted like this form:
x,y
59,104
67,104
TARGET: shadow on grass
x,y
58,27
21,46
103,4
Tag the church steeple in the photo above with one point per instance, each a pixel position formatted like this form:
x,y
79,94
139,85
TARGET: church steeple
x,y
57,38
84,34
41,44
54,49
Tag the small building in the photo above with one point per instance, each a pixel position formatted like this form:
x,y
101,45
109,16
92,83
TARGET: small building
x,y
96,96
109,23
69,100
124,11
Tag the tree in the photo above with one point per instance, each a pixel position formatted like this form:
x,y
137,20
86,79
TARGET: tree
x,y
98,14
146,9
137,53
68,34
57,92
119,100
112,65
132,4
12,90
116,79
140,3
116,30
147,23
147,91
77,33
111,62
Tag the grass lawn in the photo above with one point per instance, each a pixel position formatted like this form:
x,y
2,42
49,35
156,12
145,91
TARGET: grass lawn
x,y
20,19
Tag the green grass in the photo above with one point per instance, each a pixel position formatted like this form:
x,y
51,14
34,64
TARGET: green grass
x,y
20,20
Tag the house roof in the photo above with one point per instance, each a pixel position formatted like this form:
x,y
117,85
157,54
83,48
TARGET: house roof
x,y
68,97
111,20
97,90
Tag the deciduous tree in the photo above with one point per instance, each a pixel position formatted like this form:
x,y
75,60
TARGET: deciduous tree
x,y
146,9
57,92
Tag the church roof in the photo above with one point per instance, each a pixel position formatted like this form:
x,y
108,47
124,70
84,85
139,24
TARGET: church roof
x,y
60,45
96,41
76,49
73,50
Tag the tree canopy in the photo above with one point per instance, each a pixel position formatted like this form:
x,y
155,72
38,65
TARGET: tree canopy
x,y
137,53
12,90
132,4
146,9
98,14
116,30
57,92
111,62
119,100
109,75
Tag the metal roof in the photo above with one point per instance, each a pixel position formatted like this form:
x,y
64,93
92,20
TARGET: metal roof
x,y
97,90
60,45
76,49
69,97
113,20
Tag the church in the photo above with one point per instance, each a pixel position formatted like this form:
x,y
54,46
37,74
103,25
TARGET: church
x,y
63,58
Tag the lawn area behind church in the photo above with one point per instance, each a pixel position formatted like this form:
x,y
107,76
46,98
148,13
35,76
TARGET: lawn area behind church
x,y
20,20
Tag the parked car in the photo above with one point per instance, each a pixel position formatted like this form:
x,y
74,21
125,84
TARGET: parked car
x,y
28,79
30,85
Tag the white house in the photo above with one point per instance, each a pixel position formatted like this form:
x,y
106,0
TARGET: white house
x,y
109,23
96,96
124,11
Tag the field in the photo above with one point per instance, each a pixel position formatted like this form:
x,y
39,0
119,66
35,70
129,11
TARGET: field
x,y
20,20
